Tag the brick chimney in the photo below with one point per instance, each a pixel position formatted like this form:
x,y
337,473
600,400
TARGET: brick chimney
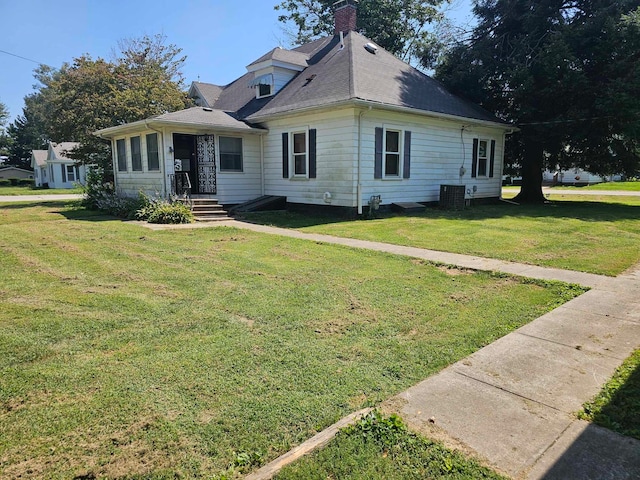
x,y
345,15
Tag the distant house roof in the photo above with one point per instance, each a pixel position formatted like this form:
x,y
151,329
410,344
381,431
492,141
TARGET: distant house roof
x,y
14,169
59,150
38,158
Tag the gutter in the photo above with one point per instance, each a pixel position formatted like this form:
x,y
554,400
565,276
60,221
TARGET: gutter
x,y
383,106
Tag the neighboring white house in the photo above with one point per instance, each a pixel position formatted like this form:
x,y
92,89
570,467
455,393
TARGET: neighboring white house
x,y
15,172
53,169
332,122
576,176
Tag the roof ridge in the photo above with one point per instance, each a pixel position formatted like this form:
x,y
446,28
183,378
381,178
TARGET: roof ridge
x,y
352,73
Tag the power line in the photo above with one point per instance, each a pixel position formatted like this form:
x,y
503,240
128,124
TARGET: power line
x,y
25,58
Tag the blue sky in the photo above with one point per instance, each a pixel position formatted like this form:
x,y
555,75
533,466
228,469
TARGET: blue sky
x,y
219,37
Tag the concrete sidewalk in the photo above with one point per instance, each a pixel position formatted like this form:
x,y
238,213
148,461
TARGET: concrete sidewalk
x,y
40,198
513,403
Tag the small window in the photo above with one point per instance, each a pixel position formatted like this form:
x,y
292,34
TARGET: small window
x,y
230,154
136,155
482,158
299,154
153,159
392,153
121,153
264,90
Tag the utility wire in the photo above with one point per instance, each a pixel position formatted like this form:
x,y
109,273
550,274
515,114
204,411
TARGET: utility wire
x,y
25,58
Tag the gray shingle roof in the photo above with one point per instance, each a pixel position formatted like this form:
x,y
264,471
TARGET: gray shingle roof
x,y
207,92
60,148
288,56
338,74
199,116
40,157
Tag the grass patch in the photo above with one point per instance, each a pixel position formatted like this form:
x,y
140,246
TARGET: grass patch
x,y
574,234
29,190
617,406
378,447
633,186
126,352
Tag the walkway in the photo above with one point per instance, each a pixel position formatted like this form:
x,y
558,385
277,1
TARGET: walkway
x,y
513,402
39,198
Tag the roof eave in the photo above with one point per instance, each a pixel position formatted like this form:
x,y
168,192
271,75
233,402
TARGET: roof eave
x,y
112,132
429,113
383,106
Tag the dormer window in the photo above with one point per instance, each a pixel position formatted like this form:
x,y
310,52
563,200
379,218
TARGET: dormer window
x,y
264,90
263,85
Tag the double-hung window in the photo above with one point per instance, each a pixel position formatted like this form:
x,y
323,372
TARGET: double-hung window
x,y
392,151
72,172
121,154
153,159
136,155
299,154
230,149
483,156
392,159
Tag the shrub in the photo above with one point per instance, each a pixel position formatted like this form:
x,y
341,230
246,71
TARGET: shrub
x,y
157,210
26,182
4,182
14,182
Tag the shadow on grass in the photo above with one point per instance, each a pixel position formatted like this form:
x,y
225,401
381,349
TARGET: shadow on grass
x,y
70,209
580,210
622,412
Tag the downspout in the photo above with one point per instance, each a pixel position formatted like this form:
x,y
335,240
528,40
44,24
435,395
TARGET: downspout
x,y
262,164
359,185
163,163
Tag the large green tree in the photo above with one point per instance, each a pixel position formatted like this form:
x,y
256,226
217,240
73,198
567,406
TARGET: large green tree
x,y
566,72
88,94
399,26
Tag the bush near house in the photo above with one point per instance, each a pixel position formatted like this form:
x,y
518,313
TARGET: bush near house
x,y
101,195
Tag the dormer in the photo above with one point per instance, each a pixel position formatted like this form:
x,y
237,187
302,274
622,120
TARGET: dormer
x,y
274,70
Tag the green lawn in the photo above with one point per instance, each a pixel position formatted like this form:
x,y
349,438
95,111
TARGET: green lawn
x,y
127,353
617,406
597,235
27,190
382,448
633,186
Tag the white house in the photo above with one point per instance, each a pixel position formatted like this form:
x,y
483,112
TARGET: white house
x,y
576,176
53,169
333,122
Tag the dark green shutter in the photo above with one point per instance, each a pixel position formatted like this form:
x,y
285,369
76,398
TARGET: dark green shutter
x,y
64,173
285,155
406,171
377,169
312,153
474,159
492,157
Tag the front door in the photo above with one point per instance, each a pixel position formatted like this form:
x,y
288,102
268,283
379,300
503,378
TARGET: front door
x,y
206,164
194,156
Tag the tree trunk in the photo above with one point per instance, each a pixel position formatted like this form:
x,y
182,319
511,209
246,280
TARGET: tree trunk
x,y
531,190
